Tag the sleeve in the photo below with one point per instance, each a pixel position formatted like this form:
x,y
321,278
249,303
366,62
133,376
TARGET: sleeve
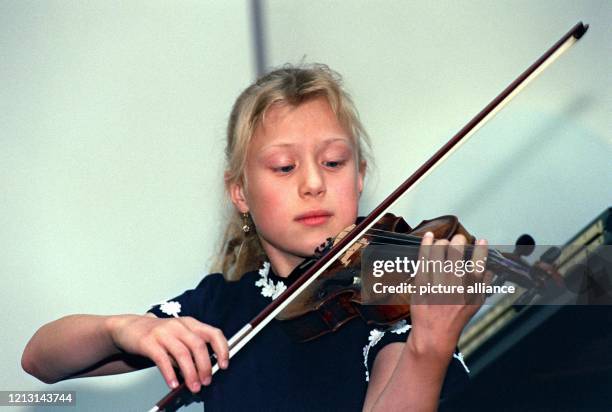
x,y
194,302
456,378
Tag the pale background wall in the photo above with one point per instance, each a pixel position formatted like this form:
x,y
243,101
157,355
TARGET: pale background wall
x,y
112,117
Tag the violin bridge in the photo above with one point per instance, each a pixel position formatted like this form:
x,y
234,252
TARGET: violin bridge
x,y
361,243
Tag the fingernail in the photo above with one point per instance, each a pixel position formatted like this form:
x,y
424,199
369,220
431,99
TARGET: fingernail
x,y
195,386
207,381
173,384
223,364
428,234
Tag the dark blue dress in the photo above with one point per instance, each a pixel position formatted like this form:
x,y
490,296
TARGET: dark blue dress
x,y
274,373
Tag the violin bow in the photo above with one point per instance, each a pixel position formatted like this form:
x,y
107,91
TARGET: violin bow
x,y
175,398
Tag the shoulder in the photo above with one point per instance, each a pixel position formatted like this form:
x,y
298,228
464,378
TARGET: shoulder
x,y
212,297
193,302
211,282
220,292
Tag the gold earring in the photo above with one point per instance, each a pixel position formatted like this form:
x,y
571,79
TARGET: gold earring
x,y
246,228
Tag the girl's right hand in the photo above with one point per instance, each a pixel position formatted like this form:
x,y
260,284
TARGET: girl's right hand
x,y
172,342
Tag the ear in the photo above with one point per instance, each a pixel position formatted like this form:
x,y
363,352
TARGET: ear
x,y
236,193
361,175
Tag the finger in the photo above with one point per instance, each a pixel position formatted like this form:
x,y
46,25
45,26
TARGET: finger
x,y
183,358
434,275
426,243
486,280
164,364
455,255
215,337
424,251
439,252
437,256
457,248
479,257
199,352
220,346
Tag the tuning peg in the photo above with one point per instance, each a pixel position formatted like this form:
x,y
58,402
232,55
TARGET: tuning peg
x,y
524,245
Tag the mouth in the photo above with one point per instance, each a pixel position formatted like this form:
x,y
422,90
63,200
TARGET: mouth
x,y
314,217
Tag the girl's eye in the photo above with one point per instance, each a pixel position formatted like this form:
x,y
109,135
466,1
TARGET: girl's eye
x,y
334,163
284,169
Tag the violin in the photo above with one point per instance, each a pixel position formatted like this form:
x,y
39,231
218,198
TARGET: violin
x,y
332,301
336,297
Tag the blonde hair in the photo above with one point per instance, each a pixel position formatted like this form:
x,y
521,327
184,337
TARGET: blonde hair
x,y
241,252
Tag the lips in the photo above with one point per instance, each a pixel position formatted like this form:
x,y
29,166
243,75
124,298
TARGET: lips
x,y
314,217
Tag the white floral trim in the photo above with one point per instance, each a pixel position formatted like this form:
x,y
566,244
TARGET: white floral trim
x,y
459,356
399,327
376,335
268,288
172,308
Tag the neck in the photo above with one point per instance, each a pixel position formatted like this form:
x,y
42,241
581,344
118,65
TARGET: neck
x,y
282,264
283,269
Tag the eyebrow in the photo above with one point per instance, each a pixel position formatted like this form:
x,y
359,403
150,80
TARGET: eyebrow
x,y
323,143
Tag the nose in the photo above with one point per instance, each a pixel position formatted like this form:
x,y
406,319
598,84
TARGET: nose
x,y
312,180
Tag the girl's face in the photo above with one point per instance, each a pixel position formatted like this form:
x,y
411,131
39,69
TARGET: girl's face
x,y
302,181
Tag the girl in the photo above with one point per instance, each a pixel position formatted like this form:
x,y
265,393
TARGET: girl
x,y
295,172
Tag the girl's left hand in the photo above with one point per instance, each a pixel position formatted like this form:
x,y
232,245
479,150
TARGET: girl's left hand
x,y
438,318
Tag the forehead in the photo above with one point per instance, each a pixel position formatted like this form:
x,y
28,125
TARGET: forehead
x,y
311,121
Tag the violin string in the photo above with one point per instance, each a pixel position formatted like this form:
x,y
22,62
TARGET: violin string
x,y
402,239
395,234
384,237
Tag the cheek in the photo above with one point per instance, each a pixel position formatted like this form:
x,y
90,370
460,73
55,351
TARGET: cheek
x,y
348,187
271,201
266,201
347,195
